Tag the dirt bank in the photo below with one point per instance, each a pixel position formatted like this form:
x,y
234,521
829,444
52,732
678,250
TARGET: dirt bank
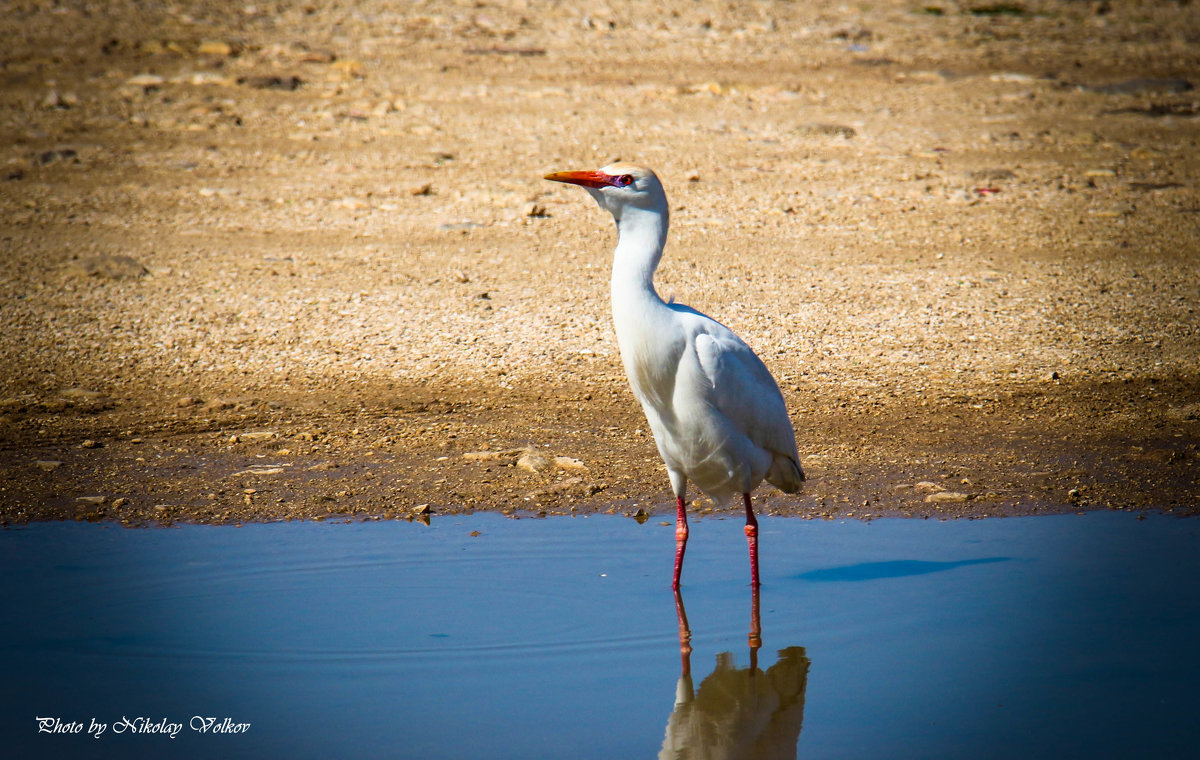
x,y
290,262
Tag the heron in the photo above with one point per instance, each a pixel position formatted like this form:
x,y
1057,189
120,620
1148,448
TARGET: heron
x,y
718,417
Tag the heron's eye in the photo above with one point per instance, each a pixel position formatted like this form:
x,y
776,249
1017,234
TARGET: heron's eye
x,y
625,180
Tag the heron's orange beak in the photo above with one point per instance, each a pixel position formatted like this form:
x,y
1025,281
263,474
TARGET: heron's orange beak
x,y
585,179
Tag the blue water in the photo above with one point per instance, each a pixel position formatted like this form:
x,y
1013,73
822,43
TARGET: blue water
x,y
1066,636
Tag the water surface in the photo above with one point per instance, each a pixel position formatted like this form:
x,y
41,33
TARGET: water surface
x,y
485,637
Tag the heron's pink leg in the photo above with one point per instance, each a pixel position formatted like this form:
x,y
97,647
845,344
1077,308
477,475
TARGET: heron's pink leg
x,y
755,637
685,635
681,534
751,539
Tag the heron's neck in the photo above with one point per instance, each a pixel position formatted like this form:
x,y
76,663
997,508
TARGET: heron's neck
x,y
641,235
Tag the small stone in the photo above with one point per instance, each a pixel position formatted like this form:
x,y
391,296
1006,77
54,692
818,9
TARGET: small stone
x,y
421,509
47,157
827,130
710,88
285,83
425,189
946,496
109,267
534,461
214,47
144,80
349,69
258,471
261,435
81,394
1144,152
928,76
187,401
1082,138
90,444
852,32
509,455
118,503
90,499
926,485
993,175
317,56
1007,76
383,108
48,464
567,463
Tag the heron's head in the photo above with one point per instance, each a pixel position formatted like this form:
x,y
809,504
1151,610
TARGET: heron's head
x,y
618,187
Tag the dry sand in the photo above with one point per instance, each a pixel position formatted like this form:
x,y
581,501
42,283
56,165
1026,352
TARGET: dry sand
x,y
267,261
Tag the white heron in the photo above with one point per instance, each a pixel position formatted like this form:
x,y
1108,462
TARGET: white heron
x,y
717,415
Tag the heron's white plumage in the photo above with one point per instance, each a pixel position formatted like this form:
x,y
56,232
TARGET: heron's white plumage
x,y
716,413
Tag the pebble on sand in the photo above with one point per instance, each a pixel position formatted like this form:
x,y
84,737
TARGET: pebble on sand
x,y
535,461
82,394
214,47
144,80
258,471
254,437
946,496
527,458
109,267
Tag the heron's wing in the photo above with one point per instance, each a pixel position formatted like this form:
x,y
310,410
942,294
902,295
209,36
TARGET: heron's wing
x,y
744,391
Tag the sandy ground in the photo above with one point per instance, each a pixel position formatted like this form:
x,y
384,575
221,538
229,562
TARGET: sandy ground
x,y
297,260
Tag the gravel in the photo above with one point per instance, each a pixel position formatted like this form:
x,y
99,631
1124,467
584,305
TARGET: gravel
x,y
329,223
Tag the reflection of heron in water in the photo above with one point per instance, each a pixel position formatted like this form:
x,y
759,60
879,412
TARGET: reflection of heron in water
x,y
737,714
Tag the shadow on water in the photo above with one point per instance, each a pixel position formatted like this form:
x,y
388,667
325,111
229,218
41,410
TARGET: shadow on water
x,y
737,713
873,571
